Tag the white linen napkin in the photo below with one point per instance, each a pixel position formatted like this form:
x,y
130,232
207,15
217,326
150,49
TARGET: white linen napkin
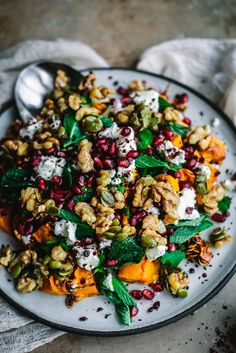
x,y
209,66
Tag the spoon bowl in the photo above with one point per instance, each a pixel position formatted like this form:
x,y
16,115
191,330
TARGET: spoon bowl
x,y
35,82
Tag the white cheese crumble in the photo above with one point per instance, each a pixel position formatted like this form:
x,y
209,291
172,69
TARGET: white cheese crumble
x,y
50,166
203,169
152,209
117,106
123,143
186,207
105,243
153,253
67,230
87,258
31,128
172,153
108,282
230,185
26,239
215,122
150,98
55,124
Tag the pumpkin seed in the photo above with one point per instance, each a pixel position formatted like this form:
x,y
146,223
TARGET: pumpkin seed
x,y
16,270
182,293
121,236
115,229
46,259
148,242
107,197
109,235
116,222
54,264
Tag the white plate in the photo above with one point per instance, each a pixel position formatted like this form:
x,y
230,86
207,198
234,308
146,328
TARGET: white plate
x,y
51,309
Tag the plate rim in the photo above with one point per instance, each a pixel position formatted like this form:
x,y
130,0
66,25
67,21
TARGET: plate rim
x,y
163,323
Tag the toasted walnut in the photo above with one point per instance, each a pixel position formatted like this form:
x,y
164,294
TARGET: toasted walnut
x,y
199,250
171,114
87,82
84,157
27,257
211,199
142,190
26,285
49,103
62,104
86,212
23,149
85,111
176,281
74,101
136,85
62,79
119,200
104,178
200,135
57,253
30,198
102,223
7,256
152,228
128,230
165,193
98,94
16,146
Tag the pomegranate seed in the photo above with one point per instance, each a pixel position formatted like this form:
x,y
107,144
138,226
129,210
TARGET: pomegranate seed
x,y
158,140
132,154
101,142
177,174
122,91
104,148
61,154
124,163
141,214
60,205
189,210
170,231
90,181
134,221
56,180
38,153
117,216
112,262
125,131
81,180
188,149
171,247
36,162
107,163
87,241
21,229
136,294
77,190
182,98
187,121
50,150
51,194
58,198
184,185
112,148
157,287
168,133
70,204
61,192
148,294
133,311
98,162
29,219
126,100
28,230
41,184
191,163
217,217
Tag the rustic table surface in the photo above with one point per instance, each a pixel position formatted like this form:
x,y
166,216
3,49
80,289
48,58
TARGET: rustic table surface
x,y
120,30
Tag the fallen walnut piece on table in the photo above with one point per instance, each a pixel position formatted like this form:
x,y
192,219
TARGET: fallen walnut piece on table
x,y
198,250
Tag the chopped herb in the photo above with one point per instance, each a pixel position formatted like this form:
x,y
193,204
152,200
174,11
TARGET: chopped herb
x,y
178,129
224,204
163,104
107,122
145,139
172,258
75,135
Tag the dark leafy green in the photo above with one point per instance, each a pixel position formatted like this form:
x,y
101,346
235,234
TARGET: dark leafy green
x,y
172,258
163,104
147,162
184,233
122,292
107,122
75,135
127,251
16,178
68,175
86,195
83,229
224,204
47,247
145,139
178,129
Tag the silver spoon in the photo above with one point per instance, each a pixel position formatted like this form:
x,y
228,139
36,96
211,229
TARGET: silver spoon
x,y
35,82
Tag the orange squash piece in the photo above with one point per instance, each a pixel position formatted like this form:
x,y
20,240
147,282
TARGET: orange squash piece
x,y
169,179
212,179
145,272
187,175
177,141
52,287
6,220
216,151
43,234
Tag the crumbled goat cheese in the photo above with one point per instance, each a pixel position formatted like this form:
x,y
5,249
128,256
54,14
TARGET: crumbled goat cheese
x,y
153,253
186,207
55,124
26,239
152,209
172,153
87,258
230,185
128,173
105,243
67,230
108,282
150,98
31,128
117,106
215,122
203,169
50,166
123,143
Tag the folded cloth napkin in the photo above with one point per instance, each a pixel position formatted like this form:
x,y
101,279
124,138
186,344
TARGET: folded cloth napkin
x,y
209,66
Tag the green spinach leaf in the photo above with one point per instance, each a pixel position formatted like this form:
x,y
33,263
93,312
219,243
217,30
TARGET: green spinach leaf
x,y
145,139
163,104
86,195
172,258
146,162
16,178
224,204
178,129
107,122
83,229
122,292
75,135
